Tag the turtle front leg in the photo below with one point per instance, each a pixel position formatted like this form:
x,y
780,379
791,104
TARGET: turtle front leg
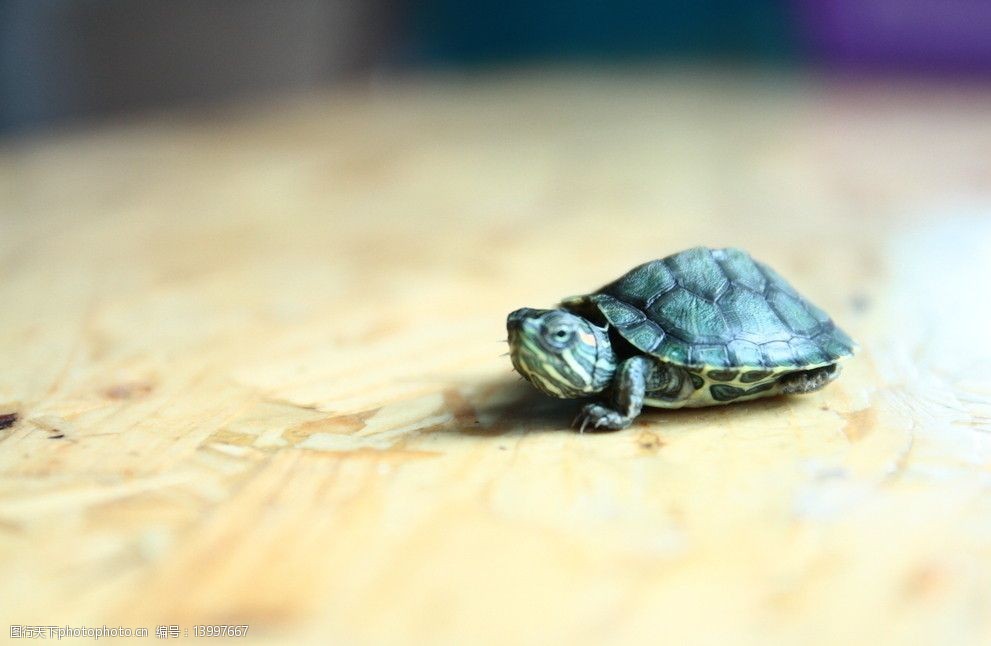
x,y
629,387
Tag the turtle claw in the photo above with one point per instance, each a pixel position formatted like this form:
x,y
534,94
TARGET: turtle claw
x,y
581,421
600,418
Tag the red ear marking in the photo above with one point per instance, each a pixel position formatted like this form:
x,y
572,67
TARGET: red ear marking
x,y
587,338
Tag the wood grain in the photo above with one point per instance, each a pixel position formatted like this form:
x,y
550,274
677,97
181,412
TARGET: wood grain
x,y
255,358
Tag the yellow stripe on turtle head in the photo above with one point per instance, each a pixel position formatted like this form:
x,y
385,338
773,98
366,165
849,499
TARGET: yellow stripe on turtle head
x,y
579,369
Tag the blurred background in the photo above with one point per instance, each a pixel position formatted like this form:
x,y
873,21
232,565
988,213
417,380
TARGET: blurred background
x,y
87,59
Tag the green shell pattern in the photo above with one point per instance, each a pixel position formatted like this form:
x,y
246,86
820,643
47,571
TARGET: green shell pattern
x,y
719,309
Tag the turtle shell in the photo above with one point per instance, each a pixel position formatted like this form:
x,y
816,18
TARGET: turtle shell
x,y
717,308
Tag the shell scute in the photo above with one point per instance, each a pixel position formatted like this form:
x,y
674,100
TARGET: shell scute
x,y
643,284
752,317
792,312
698,272
740,268
807,352
751,376
645,336
708,355
690,316
621,314
775,280
777,353
674,350
744,353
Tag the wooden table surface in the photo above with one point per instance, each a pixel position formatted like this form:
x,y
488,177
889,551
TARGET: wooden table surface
x,y
255,358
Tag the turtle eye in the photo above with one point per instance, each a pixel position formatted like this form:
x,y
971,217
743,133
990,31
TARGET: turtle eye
x,y
558,334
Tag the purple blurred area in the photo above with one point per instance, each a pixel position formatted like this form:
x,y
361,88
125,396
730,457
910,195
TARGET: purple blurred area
x,y
928,36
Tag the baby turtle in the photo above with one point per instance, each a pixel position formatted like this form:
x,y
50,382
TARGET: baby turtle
x,y
698,328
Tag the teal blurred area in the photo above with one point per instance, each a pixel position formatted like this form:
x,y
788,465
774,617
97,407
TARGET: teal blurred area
x,y
447,32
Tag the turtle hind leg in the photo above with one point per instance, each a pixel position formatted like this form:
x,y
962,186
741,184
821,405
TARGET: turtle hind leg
x,y
807,381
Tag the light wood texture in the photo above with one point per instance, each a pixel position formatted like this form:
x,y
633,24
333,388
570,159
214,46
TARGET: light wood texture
x,y
256,359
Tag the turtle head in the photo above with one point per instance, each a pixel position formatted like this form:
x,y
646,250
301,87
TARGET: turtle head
x,y
560,353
